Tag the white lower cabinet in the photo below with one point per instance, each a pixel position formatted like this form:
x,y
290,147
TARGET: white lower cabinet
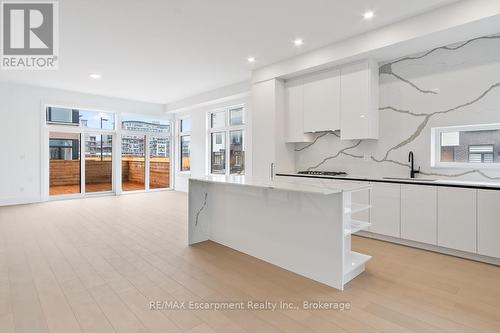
x,y
457,218
418,213
385,213
488,223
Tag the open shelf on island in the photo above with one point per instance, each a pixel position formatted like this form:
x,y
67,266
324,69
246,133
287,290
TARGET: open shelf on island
x,y
356,226
356,208
354,264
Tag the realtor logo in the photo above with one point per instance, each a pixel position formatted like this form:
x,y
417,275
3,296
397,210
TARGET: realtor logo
x,y
29,35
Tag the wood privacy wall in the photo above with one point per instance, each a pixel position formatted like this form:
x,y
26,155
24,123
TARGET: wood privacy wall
x,y
133,171
64,173
98,172
159,176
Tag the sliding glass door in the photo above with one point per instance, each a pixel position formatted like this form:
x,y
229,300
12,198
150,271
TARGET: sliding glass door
x,y
98,162
145,162
82,153
133,162
145,143
64,163
159,162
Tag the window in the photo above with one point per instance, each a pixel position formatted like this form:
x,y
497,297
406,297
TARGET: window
x,y
185,125
133,162
82,118
141,123
236,116
218,119
159,162
185,144
466,146
62,116
94,119
481,154
236,153
218,156
81,156
226,130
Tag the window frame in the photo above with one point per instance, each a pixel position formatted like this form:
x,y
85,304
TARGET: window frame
x,y
227,129
181,134
436,147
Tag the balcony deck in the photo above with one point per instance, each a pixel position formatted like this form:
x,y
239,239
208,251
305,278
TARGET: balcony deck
x,y
97,187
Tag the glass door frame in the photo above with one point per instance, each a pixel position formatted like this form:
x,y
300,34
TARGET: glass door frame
x,y
82,132
147,162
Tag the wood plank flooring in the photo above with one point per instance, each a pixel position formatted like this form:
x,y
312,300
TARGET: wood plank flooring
x,y
94,265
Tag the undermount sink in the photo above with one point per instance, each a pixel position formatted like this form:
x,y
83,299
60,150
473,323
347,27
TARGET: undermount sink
x,y
411,179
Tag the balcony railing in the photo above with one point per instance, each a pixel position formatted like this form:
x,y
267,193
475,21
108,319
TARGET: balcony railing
x,y
65,174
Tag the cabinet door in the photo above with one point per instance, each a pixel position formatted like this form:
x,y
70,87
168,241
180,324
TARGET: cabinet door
x,y
488,223
418,213
359,101
457,218
295,112
385,212
322,101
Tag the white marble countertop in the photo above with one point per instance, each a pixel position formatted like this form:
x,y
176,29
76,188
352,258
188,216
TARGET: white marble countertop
x,y
305,185
423,181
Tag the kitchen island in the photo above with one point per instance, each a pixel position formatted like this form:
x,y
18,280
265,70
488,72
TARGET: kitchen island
x,y
302,225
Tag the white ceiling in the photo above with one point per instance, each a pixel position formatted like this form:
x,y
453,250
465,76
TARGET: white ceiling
x,y
165,50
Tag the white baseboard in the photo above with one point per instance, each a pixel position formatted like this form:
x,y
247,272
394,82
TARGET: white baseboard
x,y
433,248
18,201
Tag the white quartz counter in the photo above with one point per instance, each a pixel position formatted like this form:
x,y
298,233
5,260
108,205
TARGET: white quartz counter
x,y
305,185
419,181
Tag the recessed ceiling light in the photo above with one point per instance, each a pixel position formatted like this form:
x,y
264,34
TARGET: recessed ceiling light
x,y
298,42
251,60
95,76
368,15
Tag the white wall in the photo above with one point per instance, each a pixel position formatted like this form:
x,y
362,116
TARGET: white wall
x,y
461,20
21,110
199,137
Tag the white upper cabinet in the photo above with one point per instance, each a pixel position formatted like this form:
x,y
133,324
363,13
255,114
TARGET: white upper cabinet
x,y
295,112
488,223
322,101
418,213
457,218
344,99
359,101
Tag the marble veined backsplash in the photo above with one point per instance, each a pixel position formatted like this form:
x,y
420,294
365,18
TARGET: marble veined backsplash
x,y
452,85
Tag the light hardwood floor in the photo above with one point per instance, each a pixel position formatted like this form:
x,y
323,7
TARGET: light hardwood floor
x,y
93,265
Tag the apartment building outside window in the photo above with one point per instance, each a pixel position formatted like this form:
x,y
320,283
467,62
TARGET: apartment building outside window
x,y
226,135
476,146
